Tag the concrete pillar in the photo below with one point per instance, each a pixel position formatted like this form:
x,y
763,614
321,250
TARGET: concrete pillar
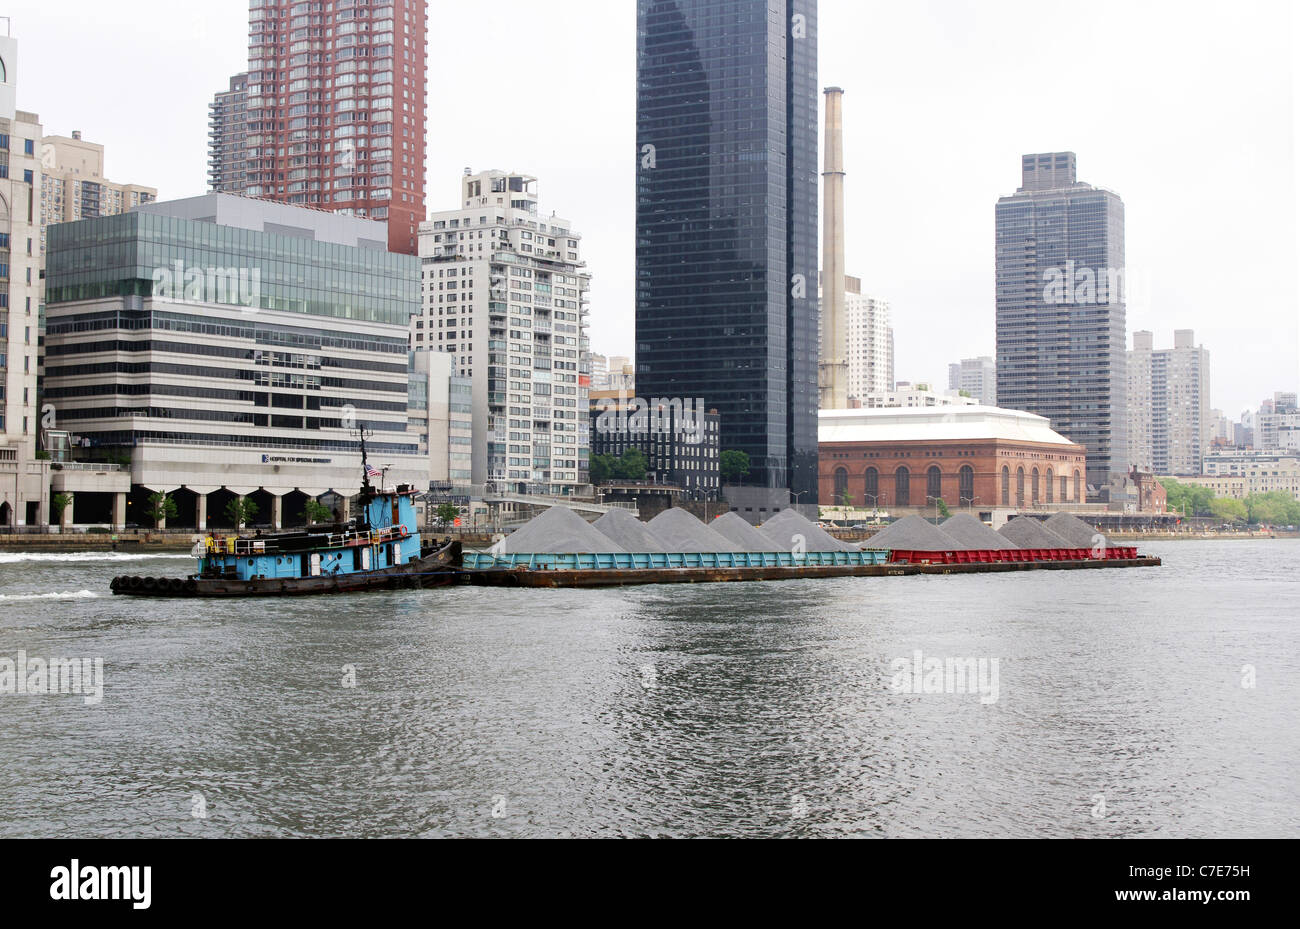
x,y
119,510
277,511
65,518
201,511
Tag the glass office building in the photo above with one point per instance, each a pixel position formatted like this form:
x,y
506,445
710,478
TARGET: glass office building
x,y
726,275
1060,309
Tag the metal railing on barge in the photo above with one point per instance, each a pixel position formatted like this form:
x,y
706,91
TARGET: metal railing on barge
x,y
640,561
216,545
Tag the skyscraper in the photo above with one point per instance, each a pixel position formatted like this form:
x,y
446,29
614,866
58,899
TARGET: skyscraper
x,y
727,223
335,109
1060,308
227,128
977,376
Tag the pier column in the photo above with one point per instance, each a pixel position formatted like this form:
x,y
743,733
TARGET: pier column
x,y
201,512
119,510
277,511
65,518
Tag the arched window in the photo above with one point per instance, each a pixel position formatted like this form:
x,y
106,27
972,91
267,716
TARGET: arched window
x,y
1020,486
1034,486
1049,485
966,484
872,487
841,485
1065,490
1006,486
933,482
1078,488
902,494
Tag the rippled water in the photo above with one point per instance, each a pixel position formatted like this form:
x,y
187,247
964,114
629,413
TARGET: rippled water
x,y
727,709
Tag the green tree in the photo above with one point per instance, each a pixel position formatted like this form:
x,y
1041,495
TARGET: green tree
x,y
632,466
240,511
1272,509
448,512
161,506
1228,509
601,468
316,512
59,503
734,465
1187,499
942,507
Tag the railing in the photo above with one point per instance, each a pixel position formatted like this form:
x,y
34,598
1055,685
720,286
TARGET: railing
x,y
597,561
216,545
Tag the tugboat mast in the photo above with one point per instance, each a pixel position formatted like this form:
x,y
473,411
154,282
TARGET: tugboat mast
x,y
367,489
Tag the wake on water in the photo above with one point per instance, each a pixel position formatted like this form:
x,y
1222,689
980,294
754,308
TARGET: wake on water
x,y
60,595
20,557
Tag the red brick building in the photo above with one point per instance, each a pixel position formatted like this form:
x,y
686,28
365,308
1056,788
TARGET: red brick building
x,y
968,456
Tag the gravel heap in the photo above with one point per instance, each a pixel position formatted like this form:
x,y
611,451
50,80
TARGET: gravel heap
x,y
972,535
679,531
733,528
558,531
912,533
626,530
1027,532
784,526
1074,530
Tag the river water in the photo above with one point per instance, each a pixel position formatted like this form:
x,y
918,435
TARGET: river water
x,y
1151,702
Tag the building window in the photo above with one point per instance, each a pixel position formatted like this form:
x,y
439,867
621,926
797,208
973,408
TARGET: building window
x,y
841,485
934,482
902,493
872,486
1078,488
1006,486
1064,488
1020,487
1049,485
966,484
1034,487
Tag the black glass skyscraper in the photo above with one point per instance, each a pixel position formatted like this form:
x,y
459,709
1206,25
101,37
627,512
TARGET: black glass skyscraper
x,y
726,252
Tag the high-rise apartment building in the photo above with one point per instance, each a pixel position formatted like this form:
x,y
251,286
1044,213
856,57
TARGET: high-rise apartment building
x,y
336,109
1060,308
978,377
1169,423
869,339
1277,424
505,294
24,497
227,128
73,185
727,234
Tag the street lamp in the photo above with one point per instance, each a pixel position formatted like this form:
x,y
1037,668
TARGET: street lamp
x,y
936,507
970,501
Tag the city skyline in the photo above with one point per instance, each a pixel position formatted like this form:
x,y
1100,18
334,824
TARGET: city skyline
x,y
936,274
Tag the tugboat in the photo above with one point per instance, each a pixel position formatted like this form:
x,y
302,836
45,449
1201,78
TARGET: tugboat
x,y
381,548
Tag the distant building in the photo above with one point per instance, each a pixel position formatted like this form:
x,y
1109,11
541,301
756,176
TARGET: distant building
x,y
680,445
73,185
505,295
227,131
1169,425
1259,472
1136,492
978,377
1277,425
974,457
599,372
914,396
1060,308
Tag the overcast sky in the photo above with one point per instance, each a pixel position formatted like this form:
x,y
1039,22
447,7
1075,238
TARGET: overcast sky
x,y
1185,109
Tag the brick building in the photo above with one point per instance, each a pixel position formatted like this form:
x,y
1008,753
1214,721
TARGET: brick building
x,y
969,456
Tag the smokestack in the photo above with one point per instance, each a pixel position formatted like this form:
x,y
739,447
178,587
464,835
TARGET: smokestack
x,y
833,371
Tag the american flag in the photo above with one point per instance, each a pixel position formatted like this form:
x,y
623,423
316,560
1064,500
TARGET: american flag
x,y
372,471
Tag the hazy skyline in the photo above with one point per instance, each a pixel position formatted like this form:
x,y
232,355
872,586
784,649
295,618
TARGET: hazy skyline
x,y
1187,111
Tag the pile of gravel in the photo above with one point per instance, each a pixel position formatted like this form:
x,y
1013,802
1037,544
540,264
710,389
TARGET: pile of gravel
x,y
1027,532
558,531
679,531
733,528
784,526
972,535
626,530
912,533
1074,530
